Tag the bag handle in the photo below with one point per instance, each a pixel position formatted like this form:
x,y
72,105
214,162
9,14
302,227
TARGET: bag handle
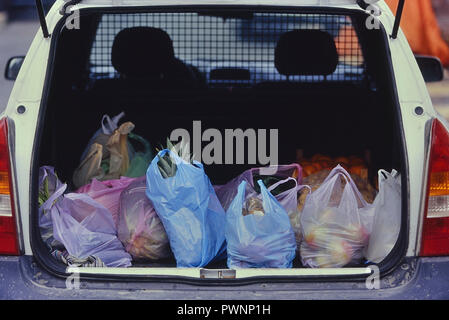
x,y
146,145
273,169
296,188
266,196
340,171
240,197
275,185
112,124
52,199
355,193
387,177
384,174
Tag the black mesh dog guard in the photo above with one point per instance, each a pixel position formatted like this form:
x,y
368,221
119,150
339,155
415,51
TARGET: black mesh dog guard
x,y
234,50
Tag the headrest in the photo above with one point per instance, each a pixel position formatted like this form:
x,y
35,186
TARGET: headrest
x,y
306,52
141,51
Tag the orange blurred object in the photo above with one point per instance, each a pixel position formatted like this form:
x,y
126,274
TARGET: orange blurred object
x,y
357,169
348,48
324,164
317,157
421,28
319,162
308,169
354,160
317,166
342,161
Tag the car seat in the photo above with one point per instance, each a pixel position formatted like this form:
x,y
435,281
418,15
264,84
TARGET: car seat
x,y
145,61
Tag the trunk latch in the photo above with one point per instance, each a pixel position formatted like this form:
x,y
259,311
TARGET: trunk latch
x,y
217,274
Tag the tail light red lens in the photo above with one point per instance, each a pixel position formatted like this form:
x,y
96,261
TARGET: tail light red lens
x,y
435,235
9,244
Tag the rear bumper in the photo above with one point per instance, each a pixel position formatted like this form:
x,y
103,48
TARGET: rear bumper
x,y
424,278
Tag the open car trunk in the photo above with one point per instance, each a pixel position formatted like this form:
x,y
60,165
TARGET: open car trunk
x,y
351,113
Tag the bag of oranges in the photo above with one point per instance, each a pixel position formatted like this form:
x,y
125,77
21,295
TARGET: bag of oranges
x,y
334,223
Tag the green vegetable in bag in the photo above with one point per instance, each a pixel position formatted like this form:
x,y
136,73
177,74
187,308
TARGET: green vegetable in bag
x,y
166,165
141,160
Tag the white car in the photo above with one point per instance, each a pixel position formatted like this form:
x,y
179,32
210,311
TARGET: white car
x,y
361,94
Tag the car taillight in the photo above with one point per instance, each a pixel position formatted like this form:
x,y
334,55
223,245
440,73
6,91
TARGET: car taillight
x,y
435,234
8,228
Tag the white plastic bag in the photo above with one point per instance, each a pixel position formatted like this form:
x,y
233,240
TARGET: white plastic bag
x,y
334,223
387,217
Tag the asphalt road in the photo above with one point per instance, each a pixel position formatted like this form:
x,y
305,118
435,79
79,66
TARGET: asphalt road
x,y
16,37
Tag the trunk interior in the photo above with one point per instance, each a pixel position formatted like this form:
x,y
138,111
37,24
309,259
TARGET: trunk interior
x,y
333,118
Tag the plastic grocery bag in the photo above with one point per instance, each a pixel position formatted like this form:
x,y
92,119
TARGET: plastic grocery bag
x,y
85,228
107,193
334,223
141,159
189,209
283,181
139,228
90,168
269,175
119,152
387,217
48,184
261,238
292,201
106,162
102,135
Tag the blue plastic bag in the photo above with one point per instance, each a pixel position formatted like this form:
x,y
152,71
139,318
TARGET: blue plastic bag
x,y
189,209
263,238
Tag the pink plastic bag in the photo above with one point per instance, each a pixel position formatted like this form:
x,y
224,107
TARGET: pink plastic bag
x,y
139,227
226,193
107,193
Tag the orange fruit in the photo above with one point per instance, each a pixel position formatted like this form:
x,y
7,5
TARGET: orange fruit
x,y
342,160
308,170
354,160
325,158
356,169
317,166
317,157
325,164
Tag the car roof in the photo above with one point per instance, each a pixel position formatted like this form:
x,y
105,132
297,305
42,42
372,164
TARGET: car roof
x,y
125,3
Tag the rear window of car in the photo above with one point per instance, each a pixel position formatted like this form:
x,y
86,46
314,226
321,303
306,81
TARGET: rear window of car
x,y
245,43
